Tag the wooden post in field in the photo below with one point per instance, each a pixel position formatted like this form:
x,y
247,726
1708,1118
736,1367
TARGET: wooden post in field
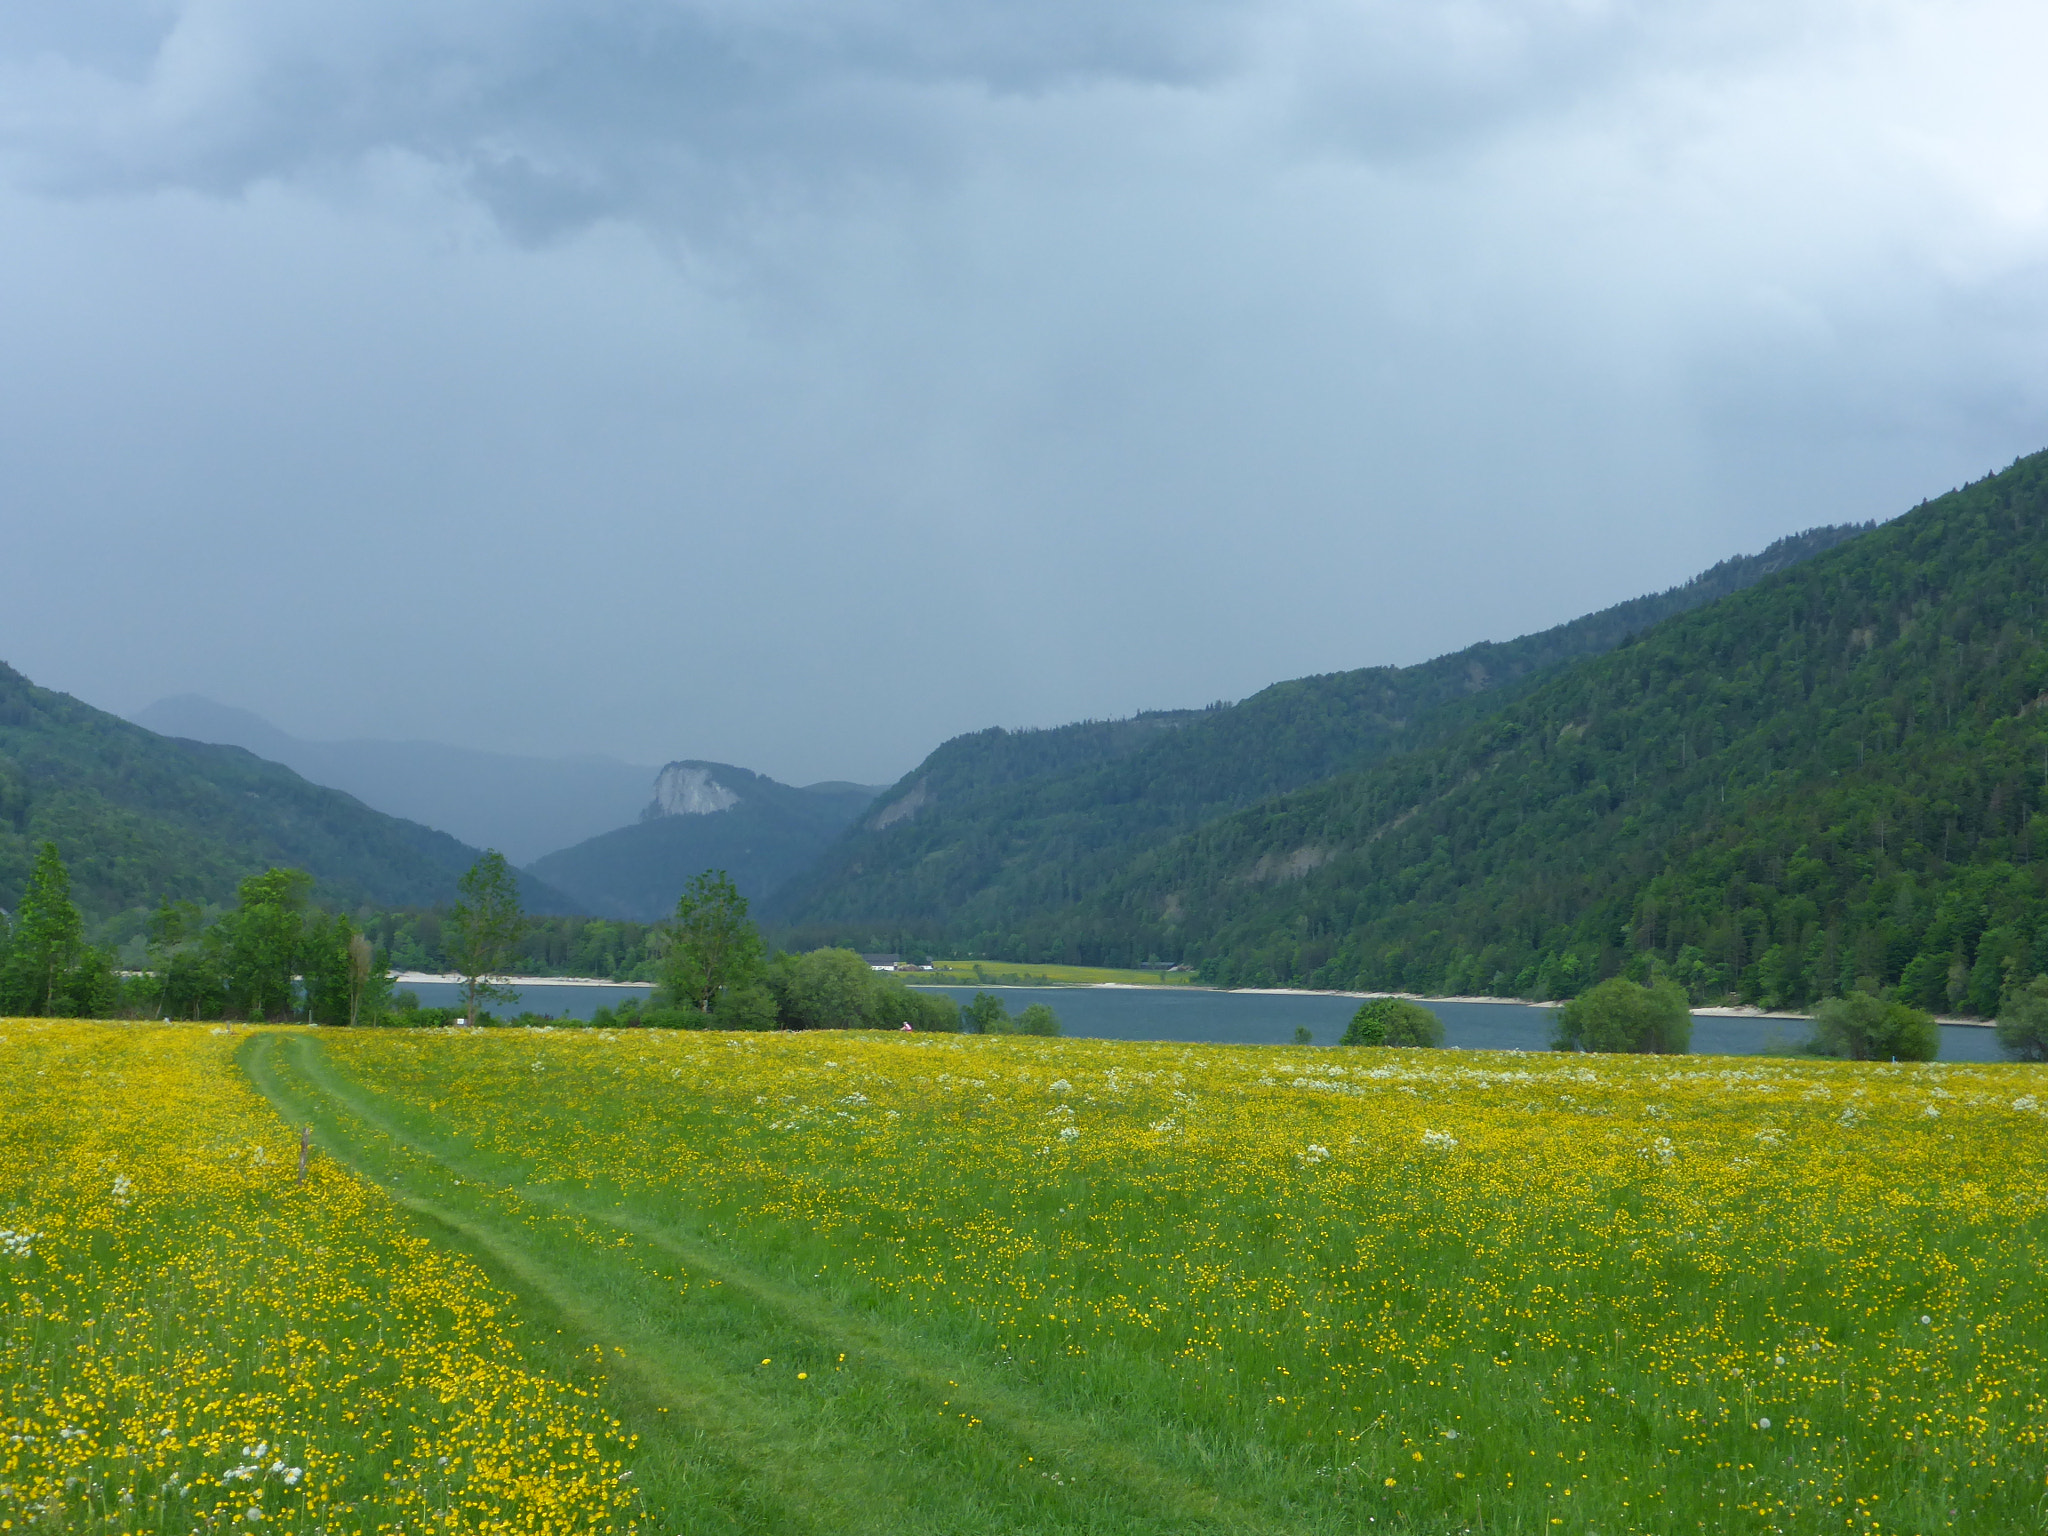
x,y
305,1150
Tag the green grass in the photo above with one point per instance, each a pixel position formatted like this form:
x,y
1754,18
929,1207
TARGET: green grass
x,y
688,1329
849,1283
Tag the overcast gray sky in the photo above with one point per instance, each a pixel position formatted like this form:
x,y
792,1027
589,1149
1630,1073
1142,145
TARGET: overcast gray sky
x,y
798,383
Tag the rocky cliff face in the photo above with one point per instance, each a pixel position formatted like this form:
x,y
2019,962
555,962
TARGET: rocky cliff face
x,y
688,789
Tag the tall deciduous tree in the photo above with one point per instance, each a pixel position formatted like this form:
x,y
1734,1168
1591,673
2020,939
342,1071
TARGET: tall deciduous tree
x,y
343,980
714,949
264,939
48,941
483,930
2023,1022
986,1015
173,928
361,968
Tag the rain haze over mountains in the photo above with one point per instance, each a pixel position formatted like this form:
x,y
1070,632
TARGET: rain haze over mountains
x,y
799,386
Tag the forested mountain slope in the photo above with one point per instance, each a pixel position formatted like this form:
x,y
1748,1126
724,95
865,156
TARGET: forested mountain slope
x,y
997,833
1836,774
138,816
703,816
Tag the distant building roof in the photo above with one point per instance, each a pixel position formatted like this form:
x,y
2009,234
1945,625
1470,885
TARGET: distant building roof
x,y
883,962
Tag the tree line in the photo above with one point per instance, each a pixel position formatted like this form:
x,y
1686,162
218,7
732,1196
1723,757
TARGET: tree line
x,y
716,973
275,956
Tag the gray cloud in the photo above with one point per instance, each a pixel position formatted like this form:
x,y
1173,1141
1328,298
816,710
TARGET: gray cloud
x,y
798,384
653,107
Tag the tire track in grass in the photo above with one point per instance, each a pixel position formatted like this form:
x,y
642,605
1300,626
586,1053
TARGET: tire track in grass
x,y
1107,1486
686,1410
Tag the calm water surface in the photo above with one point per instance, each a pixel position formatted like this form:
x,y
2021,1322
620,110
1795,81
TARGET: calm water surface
x,y
560,1002
1242,1018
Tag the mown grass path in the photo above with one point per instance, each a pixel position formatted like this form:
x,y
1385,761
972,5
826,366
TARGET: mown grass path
x,y
879,1434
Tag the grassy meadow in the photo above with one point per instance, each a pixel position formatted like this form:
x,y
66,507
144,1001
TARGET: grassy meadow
x,y
836,1282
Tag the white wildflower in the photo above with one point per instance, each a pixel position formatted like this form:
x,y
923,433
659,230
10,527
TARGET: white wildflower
x,y
1059,1085
1441,1140
1068,1133
2026,1101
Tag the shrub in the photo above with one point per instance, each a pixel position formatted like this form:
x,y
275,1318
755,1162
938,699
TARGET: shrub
x,y
825,989
747,1006
1394,1021
1620,1016
2023,1022
1038,1020
1864,1027
835,989
986,1015
421,1018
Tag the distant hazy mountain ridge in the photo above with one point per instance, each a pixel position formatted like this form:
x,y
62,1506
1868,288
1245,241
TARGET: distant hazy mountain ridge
x,y
522,806
138,816
621,841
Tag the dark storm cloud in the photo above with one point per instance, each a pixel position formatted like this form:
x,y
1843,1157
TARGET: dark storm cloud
x,y
641,107
798,383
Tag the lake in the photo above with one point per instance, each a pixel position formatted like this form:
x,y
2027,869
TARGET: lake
x,y
1249,1018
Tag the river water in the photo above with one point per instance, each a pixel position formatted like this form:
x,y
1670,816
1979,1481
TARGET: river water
x,y
1257,1018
